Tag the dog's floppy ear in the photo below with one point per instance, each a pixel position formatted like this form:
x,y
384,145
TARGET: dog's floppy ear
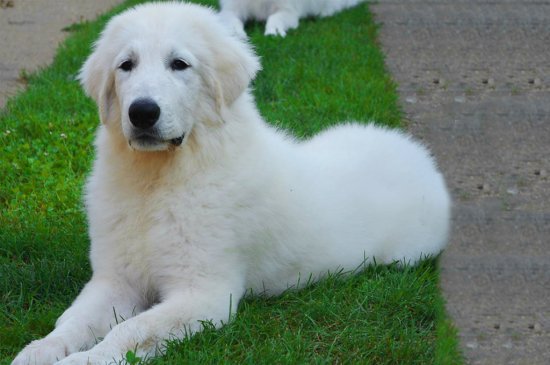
x,y
97,79
234,65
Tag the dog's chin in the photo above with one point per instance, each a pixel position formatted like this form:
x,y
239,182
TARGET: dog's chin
x,y
152,144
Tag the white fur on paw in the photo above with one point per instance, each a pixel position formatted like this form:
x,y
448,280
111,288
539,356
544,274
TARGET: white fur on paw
x,y
275,29
42,352
234,24
86,358
239,32
279,23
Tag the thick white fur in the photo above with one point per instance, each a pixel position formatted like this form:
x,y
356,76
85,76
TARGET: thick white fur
x,y
280,15
179,233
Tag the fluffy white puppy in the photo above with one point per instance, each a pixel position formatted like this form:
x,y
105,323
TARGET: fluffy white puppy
x,y
194,199
281,15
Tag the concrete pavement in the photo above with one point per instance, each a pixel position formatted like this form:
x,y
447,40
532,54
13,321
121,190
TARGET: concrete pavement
x,y
474,82
30,31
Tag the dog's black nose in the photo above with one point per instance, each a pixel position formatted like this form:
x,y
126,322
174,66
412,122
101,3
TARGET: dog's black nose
x,y
144,113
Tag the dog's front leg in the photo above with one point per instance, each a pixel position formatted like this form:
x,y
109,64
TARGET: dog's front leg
x,y
180,315
101,305
278,23
235,24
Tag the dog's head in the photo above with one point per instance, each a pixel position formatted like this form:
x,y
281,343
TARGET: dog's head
x,y
160,68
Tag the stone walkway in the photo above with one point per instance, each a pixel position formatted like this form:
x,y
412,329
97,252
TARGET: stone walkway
x,y
30,31
474,82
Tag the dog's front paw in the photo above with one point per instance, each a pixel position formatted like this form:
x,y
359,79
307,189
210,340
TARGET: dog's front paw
x,y
279,23
42,352
86,358
274,28
234,24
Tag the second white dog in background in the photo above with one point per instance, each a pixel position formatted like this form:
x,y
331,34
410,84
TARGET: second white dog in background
x,y
280,15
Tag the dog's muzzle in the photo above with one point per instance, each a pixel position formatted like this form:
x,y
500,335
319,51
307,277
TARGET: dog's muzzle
x,y
144,114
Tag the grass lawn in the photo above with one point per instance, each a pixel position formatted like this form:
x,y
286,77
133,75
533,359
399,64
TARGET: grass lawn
x,y
326,71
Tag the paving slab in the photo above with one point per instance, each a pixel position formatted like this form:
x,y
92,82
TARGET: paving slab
x,y
31,30
474,82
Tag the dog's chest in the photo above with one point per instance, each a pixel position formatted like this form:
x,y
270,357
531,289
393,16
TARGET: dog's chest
x,y
132,232
160,237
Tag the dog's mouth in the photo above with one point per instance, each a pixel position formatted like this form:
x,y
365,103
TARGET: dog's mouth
x,y
147,142
177,141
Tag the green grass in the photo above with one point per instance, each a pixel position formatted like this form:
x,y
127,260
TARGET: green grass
x,y
325,72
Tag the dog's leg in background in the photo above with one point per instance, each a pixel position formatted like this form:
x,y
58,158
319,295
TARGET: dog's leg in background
x,y
279,22
100,306
233,22
179,315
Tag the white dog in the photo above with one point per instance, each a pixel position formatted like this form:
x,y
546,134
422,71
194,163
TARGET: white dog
x,y
194,199
281,15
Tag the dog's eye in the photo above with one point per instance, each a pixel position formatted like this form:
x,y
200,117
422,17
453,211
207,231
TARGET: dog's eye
x,y
127,65
179,65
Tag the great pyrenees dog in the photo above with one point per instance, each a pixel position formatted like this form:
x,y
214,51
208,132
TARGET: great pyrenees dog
x,y
280,15
194,200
